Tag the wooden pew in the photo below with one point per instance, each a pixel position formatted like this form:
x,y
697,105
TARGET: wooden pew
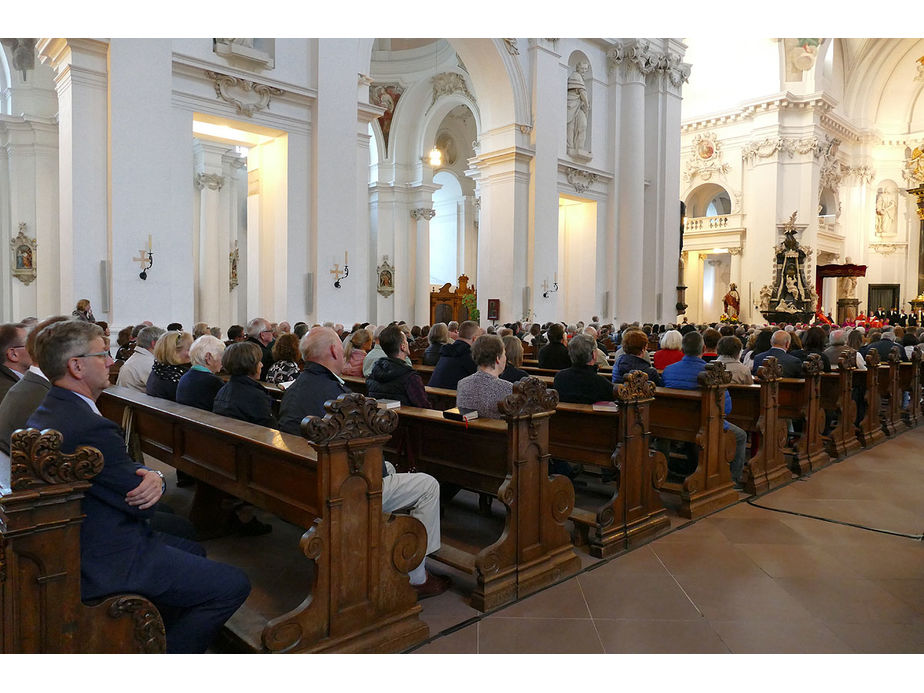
x,y
114,371
360,599
634,512
837,401
696,416
755,408
911,383
869,432
800,400
507,459
890,389
40,518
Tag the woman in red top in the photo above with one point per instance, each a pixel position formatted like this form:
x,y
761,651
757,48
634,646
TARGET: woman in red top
x,y
670,350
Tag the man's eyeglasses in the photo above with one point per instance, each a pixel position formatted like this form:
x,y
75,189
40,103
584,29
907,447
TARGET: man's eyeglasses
x,y
99,354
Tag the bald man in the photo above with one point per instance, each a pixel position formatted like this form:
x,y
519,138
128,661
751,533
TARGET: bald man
x,y
322,352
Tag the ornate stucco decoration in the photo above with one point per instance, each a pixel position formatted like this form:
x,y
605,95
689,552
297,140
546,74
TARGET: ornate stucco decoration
x,y
233,257
423,213
913,170
580,180
363,80
448,83
511,45
764,149
212,181
23,54
706,159
635,57
832,170
801,54
246,96
885,248
864,174
385,96
22,256
919,77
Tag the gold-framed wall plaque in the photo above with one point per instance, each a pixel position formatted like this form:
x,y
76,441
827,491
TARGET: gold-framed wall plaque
x,y
386,275
22,256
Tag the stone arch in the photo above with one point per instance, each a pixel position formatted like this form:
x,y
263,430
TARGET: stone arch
x,y
698,200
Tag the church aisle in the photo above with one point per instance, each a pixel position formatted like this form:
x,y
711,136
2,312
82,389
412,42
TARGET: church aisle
x,y
745,580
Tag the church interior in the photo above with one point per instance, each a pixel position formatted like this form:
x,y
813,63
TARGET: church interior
x,y
351,180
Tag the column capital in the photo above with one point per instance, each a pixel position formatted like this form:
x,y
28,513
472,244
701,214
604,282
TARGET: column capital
x,y
635,59
423,213
71,57
212,181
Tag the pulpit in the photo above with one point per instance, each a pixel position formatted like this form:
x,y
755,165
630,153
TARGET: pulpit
x,y
447,303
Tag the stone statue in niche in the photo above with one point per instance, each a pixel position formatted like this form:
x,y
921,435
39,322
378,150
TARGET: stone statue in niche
x,y
578,111
885,212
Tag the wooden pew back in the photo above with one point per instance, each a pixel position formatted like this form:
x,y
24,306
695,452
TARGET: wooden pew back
x,y
330,485
837,400
40,607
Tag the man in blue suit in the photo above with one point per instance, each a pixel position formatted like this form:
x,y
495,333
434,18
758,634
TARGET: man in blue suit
x,y
779,345
119,552
682,376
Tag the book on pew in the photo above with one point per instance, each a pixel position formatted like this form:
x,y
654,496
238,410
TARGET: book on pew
x,y
388,403
460,414
286,385
605,406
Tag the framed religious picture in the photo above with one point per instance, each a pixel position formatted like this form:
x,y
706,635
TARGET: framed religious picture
x,y
386,274
22,256
493,309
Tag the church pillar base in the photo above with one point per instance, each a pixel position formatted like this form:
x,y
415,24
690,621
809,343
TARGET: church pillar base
x,y
847,309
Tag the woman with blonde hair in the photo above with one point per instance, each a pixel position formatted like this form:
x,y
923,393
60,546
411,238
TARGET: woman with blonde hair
x,y
355,349
513,348
438,336
171,361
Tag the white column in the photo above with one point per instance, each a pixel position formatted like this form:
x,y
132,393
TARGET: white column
x,y
213,223
662,203
503,183
422,217
632,62
81,81
549,84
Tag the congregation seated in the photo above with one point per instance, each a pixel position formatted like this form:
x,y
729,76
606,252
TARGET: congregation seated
x,y
126,341
483,389
757,344
644,355
119,551
882,342
134,372
171,361
437,337
261,334
513,350
235,334
285,359
711,338
909,342
14,359
855,341
243,397
199,385
814,343
599,354
580,382
392,377
354,351
554,355
634,344
728,352
779,344
322,352
456,358
534,336
669,352
26,395
682,376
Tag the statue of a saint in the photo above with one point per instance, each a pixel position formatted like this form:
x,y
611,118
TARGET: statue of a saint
x,y
578,107
732,301
885,212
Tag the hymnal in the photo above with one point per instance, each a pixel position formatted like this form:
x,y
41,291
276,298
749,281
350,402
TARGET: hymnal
x,y
388,403
460,414
605,406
